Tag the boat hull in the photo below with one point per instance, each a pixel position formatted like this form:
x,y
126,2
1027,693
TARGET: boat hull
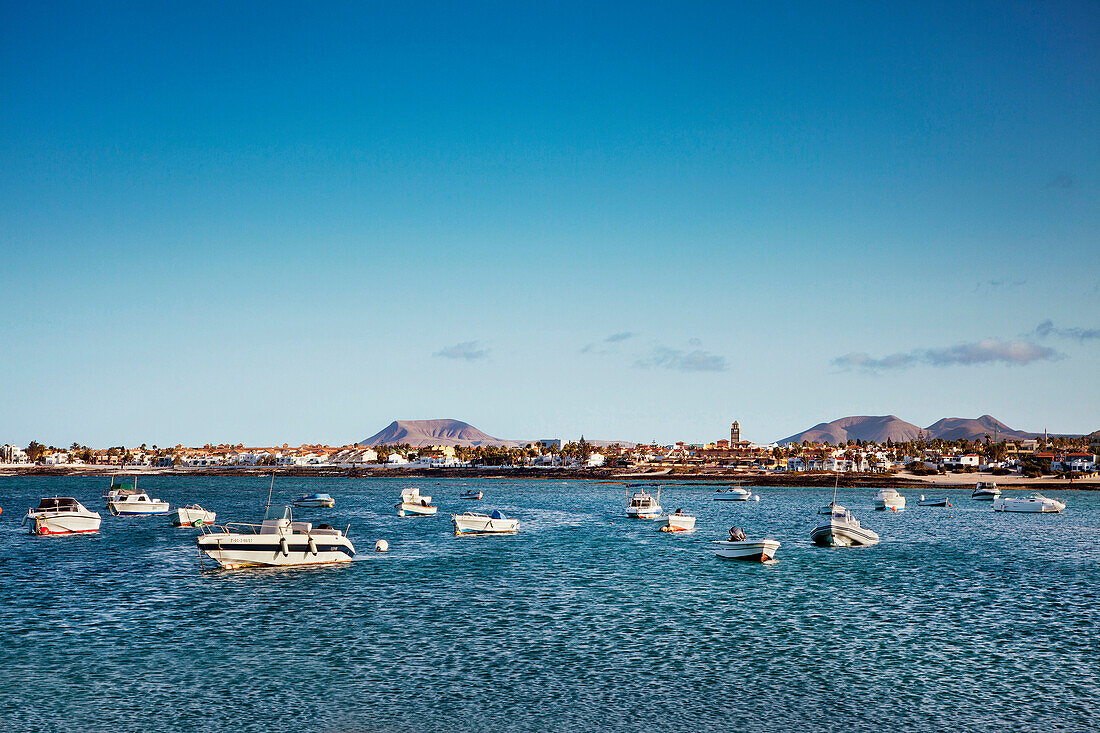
x,y
465,524
316,503
415,510
678,523
233,551
1022,506
836,534
747,550
64,524
192,517
133,509
932,502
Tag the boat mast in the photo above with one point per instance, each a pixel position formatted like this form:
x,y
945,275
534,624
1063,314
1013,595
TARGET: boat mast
x,y
269,490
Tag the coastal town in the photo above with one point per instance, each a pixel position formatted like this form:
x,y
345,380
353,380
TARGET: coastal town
x,y
1070,458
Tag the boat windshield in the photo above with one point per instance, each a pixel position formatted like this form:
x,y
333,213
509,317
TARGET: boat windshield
x,y
277,512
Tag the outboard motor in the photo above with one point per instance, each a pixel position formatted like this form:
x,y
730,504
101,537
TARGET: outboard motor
x,y
736,535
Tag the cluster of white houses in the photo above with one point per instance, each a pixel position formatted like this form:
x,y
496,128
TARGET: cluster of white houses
x,y
732,453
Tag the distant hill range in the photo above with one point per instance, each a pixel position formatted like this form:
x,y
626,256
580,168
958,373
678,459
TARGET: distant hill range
x,y
879,428
424,433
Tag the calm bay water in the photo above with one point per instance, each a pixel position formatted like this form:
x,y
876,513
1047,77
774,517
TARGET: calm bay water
x,y
960,619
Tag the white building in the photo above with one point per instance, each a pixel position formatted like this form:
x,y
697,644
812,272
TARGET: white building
x,y
12,454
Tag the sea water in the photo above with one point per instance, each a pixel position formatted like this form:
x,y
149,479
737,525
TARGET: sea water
x,y
960,619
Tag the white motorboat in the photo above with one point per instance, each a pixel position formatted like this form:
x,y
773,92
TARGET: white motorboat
x,y
643,506
320,501
61,515
415,504
733,494
473,494
932,502
985,491
678,522
842,530
192,515
1032,502
889,500
126,499
278,542
739,547
475,523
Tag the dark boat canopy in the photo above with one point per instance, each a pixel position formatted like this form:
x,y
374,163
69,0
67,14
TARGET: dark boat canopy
x,y
58,502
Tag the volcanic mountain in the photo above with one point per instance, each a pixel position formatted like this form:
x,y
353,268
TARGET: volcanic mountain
x,y
955,428
875,428
423,433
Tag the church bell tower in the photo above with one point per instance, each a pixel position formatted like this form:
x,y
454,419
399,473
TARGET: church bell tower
x,y
735,432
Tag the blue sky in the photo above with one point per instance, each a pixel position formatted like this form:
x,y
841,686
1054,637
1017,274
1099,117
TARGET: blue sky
x,y
267,223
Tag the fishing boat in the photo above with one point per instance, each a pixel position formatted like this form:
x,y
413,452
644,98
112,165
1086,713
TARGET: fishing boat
x,y
1033,502
278,542
889,500
932,502
192,515
323,501
125,499
678,521
736,493
985,491
413,503
473,494
642,505
475,523
842,530
61,515
739,547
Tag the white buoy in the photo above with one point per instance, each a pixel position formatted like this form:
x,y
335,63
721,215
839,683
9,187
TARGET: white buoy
x,y
922,497
381,546
756,497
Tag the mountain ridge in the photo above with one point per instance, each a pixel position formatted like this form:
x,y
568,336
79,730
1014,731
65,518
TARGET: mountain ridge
x,y
879,428
444,432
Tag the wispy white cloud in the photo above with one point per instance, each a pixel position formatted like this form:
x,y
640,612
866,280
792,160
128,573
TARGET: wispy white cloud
x,y
684,361
986,351
620,336
465,351
1046,329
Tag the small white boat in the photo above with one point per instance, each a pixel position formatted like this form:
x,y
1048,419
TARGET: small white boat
x,y
1032,502
61,515
126,499
985,491
889,500
475,523
932,502
643,506
322,501
678,522
413,503
733,494
471,494
278,542
192,515
739,547
842,530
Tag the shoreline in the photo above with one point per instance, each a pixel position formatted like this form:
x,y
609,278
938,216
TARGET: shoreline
x,y
602,475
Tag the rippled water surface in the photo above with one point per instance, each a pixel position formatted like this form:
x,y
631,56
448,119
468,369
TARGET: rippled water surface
x,y
960,619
